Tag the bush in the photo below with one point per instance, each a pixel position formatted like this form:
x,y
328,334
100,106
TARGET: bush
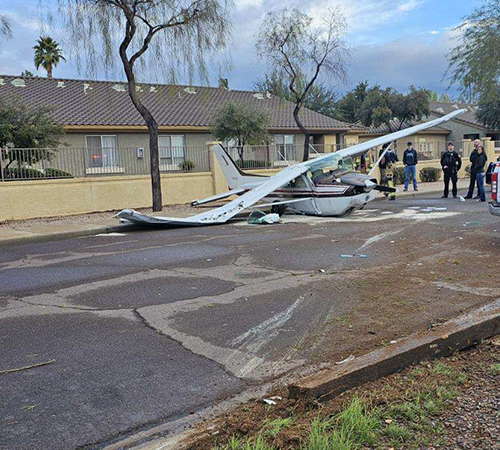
x,y
252,164
14,173
430,174
399,175
57,173
467,171
187,165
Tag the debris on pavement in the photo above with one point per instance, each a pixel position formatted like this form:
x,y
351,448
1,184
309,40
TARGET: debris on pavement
x,y
345,361
347,256
269,401
27,367
258,217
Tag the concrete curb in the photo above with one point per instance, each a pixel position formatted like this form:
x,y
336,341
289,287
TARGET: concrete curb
x,y
453,335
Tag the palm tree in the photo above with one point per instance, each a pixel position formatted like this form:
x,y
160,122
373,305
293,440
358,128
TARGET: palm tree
x,y
47,54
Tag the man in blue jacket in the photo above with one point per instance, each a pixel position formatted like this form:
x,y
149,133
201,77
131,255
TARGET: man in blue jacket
x,y
410,160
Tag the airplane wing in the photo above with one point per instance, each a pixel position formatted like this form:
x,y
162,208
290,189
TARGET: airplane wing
x,y
223,213
218,197
359,149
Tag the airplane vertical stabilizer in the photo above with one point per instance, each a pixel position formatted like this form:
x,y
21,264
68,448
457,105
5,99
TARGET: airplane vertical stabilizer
x,y
234,176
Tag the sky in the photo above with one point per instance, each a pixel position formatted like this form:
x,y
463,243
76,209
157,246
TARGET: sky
x,y
393,43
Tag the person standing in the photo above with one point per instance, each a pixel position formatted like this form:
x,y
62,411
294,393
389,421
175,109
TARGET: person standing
x,y
410,160
473,179
478,168
451,164
386,169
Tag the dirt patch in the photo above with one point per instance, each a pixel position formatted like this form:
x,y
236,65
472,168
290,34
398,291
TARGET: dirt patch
x,y
449,404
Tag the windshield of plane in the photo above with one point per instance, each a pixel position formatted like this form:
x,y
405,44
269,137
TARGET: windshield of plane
x,y
335,163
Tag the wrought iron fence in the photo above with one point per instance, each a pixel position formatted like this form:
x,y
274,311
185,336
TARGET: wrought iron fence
x,y
51,163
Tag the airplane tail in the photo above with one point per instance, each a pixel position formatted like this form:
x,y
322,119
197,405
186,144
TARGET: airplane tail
x,y
234,176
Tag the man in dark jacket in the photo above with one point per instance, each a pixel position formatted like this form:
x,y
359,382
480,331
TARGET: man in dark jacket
x,y
473,178
410,160
451,164
478,169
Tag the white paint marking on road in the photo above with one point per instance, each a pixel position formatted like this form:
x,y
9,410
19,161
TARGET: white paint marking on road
x,y
109,234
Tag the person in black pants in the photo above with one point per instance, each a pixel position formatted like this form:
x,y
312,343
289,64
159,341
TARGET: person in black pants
x,y
479,171
473,178
451,164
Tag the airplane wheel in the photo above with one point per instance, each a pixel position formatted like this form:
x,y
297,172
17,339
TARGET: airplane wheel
x,y
278,209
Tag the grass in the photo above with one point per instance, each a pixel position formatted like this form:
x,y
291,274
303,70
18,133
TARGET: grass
x,y
407,422
495,369
273,427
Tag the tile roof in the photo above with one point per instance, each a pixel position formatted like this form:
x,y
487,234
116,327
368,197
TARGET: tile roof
x,y
394,126
443,108
83,102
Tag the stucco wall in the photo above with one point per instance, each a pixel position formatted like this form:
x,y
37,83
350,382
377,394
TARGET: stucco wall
x,y
24,200
458,129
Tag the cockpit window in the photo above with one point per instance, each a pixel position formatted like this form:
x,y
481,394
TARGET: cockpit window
x,y
333,164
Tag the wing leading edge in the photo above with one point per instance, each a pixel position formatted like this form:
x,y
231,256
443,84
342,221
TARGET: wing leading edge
x,y
223,213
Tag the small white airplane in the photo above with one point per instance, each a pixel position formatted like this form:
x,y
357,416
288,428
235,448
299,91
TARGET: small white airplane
x,y
324,186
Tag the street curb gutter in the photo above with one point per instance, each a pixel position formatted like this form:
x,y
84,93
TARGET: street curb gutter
x,y
456,334
63,235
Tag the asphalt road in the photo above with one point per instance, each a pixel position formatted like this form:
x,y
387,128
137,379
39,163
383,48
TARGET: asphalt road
x,y
151,325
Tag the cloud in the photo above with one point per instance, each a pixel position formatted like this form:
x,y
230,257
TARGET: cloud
x,y
410,5
244,4
434,32
400,63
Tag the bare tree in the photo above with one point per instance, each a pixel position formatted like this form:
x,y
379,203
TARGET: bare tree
x,y
170,37
5,29
291,43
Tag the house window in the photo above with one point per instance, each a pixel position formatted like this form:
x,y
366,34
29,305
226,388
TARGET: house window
x,y
172,152
472,137
102,151
285,147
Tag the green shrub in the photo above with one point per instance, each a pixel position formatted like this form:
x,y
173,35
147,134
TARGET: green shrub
x,y
251,164
399,175
429,174
15,173
187,165
57,173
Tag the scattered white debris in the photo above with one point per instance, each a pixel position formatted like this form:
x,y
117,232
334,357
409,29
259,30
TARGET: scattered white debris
x,y
414,207
392,242
363,256
387,212
462,199
345,361
347,256
269,401
322,270
277,397
109,234
119,87
209,259
393,342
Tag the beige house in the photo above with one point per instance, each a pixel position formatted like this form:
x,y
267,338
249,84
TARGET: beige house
x,y
105,133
